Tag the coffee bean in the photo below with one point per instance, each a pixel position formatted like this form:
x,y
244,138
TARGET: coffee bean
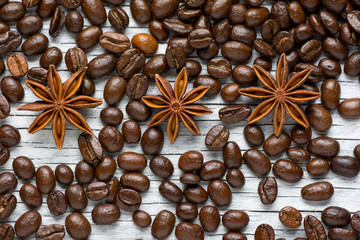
x,y
317,191
114,188
273,145
162,9
90,147
30,4
70,4
75,59
316,72
254,135
74,22
330,96
9,135
353,19
236,51
202,22
200,38
137,86
234,114
152,141
335,48
9,41
221,30
190,161
243,34
264,231
141,12
94,10
335,216
175,56
76,197
330,67
163,224
119,19
128,200
187,211
219,193
23,168
205,80
267,190
131,131
64,174
314,228
7,204
279,12
114,90
190,178
264,63
235,178
354,222
77,226
4,108
136,181
208,53
146,43
195,194
301,135
304,32
52,56
290,217
298,154
101,66
310,51
111,116
232,155
12,89
96,191
350,108
27,224
258,163
219,68
230,93
130,62
46,8
296,13
234,235
212,170
52,231
161,166
29,24
347,35
12,12
141,219
111,139
217,137
319,118
324,147
4,154
287,171
38,74
17,65
7,231
57,22
114,42
209,218
244,74
89,37
131,161
264,49
156,28
283,42
84,172
45,179
186,230
318,167
254,17
30,195
156,64
345,166
170,191
341,233
105,169
35,44
269,29
235,220
105,214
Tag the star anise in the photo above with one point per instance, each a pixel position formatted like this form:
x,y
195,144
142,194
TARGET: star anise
x,y
281,95
177,106
57,104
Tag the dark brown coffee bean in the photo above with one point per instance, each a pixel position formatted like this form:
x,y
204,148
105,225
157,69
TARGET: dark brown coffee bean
x,y
310,51
199,38
138,110
111,116
335,48
283,42
96,191
70,4
329,22
354,222
279,12
244,74
84,172
136,181
9,136
170,191
77,226
141,12
190,178
209,218
230,93
75,59
29,24
335,216
318,167
211,170
324,147
235,220
131,161
314,228
221,30
52,231
114,188
236,51
114,42
220,193
330,67
347,35
52,56
243,34
7,205
45,179
290,217
156,65
64,174
89,37
156,28
12,89
287,171
202,22
296,13
343,234
29,4
217,137
152,141
254,135
353,20
101,66
317,191
232,155
269,29
119,19
141,219
273,145
208,53
161,166
267,190
298,154
137,86
195,194
235,178
76,197
74,22
345,166
114,90
90,148
179,28
163,224
217,9
264,63
87,86
94,10
319,118
301,135
4,154
264,49
24,168
175,56
205,80
35,44
264,231
105,214
111,139
4,27
57,22
254,17
304,32
257,162
9,41
30,195
234,114
128,200
186,230
219,68
12,12
187,211
130,62
46,8
17,65
105,169
234,235
190,161
349,108
330,96
28,223
131,131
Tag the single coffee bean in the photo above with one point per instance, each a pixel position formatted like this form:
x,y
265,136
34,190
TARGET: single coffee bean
x,y
170,191
354,222
219,193
234,114
221,31
111,139
38,74
317,191
7,231
57,22
258,163
4,154
235,178
324,147
236,51
128,200
141,219
96,191
264,63
77,226
298,154
243,34
7,205
335,48
350,108
217,137
105,169
254,135
212,170
345,166
64,174
9,136
264,49
137,110
190,178
190,161
318,167
131,161
28,223
84,172
114,90
155,65
296,12
335,216
24,168
101,66
74,22
234,235
105,214
264,231
235,220
287,171
119,19
12,89
219,68
163,224
267,190
90,148
131,131
152,141
187,211
244,74
30,195
94,10
330,67
290,217
230,92
357,152
89,37
114,42
17,65
75,59
269,29
46,8
279,12
273,145
304,32
232,155
111,116
52,56
12,12
76,197
70,4
314,228
161,166
30,4
114,188
4,27
353,20
330,96
301,135
9,41
208,53
136,181
347,35
319,118
209,218
35,44
146,43
316,72
329,21
254,17
283,41
162,9
186,230
205,80
141,12
310,51
177,27
195,194
217,9
200,38
45,179
137,86
29,24
341,233
130,62
52,231
175,56
156,28
202,22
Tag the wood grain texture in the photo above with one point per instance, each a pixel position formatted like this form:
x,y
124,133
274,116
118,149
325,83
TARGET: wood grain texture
x,y
41,148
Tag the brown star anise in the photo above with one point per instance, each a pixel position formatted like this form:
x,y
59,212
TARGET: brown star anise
x,y
280,95
58,105
177,106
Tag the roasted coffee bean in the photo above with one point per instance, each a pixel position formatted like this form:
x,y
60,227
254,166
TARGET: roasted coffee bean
x,y
141,219
187,211
205,80
190,161
175,56
347,35
77,226
57,22
335,48
254,135
114,90
264,63
209,218
217,137
76,197
234,114
235,178
111,116
163,224
273,145
101,66
314,228
195,194
128,200
137,86
156,28
310,51
46,8
190,178
38,74
317,191
111,139
287,171
235,220
324,147
105,169
131,131
136,181
89,37
12,89
70,4
330,96
141,12
186,230
234,235
4,27
290,217
9,41
357,152
12,12
335,216
178,27
264,49
343,234
232,155
29,4
52,56
138,110
345,166
130,62
161,166
283,42
146,43
94,10
304,32
35,44
301,135
298,154
221,30
84,172
230,93
45,179
96,191
329,22
243,34
105,214
217,9
269,29
7,205
119,19
9,136
318,167
64,174
267,190
258,163
75,59
330,67
296,13
279,12
131,161
4,154
90,148
200,38
220,193
52,231
316,72
244,74
114,188
30,195
29,24
264,231
202,22
156,65
170,191
27,224
254,17
114,42
353,20
349,108
236,51
208,53
152,141
24,168
219,68
315,22
319,118
74,22
212,170
17,65
354,222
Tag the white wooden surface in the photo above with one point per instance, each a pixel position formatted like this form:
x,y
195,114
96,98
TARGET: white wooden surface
x,y
42,150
